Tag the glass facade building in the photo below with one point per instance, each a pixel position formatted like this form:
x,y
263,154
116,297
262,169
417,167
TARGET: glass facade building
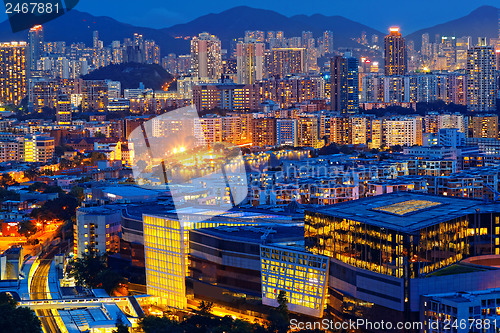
x,y
385,250
166,247
301,275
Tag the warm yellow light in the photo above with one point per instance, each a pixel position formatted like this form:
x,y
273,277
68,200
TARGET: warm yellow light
x,y
182,149
394,29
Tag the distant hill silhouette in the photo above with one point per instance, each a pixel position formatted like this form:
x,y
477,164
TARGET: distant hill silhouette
x,y
131,74
233,23
76,26
482,22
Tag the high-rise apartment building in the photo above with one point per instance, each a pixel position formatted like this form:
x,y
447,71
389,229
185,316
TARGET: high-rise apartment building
x,y
94,95
481,82
485,126
264,132
211,126
404,131
284,61
35,40
344,84
206,58
358,130
308,132
340,130
97,229
250,62
63,110
286,132
395,53
12,72
328,42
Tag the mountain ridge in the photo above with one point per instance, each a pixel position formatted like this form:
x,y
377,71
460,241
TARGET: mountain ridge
x,y
76,26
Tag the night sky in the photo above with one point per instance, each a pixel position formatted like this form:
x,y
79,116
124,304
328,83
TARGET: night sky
x,y
411,15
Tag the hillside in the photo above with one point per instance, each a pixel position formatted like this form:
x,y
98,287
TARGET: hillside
x,y
482,22
131,74
233,23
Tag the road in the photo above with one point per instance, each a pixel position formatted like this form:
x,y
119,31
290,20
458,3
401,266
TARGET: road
x,y
38,290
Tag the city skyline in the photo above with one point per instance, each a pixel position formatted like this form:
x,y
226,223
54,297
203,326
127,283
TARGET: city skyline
x,y
398,14
251,173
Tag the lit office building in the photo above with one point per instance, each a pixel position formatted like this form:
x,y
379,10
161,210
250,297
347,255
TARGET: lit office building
x,y
166,247
36,45
481,81
301,275
384,251
225,262
395,53
285,61
206,58
38,148
12,72
250,62
344,84
461,307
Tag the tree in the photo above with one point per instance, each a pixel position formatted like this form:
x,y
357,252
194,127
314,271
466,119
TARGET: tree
x,y
152,324
110,280
31,174
8,195
95,156
120,326
14,319
6,180
205,307
77,192
279,317
27,228
62,208
86,270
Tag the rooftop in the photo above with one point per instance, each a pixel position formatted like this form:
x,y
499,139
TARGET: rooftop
x,y
407,211
254,234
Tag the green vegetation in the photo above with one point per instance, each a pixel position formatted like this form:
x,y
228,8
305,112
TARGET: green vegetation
x,y
92,271
131,74
27,228
279,318
455,269
203,321
14,319
62,208
120,327
199,324
8,195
